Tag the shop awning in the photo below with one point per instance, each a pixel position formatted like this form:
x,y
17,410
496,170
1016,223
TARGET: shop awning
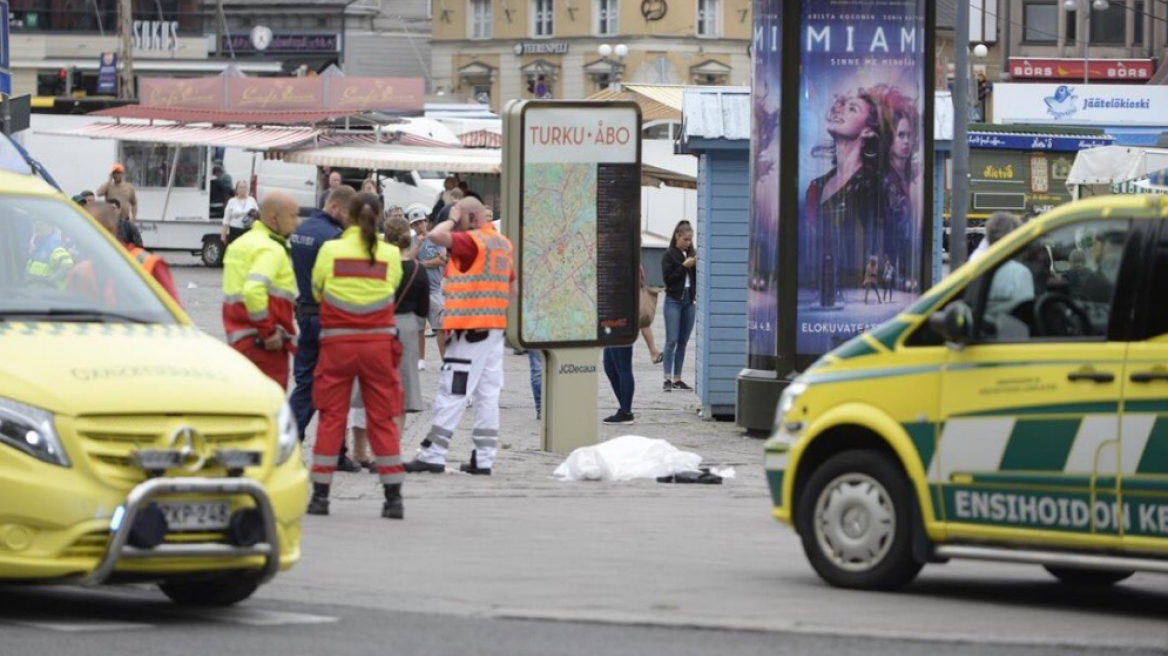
x,y
1135,136
481,139
249,138
401,158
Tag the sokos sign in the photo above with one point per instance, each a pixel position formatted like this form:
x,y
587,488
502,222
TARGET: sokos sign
x,y
1077,104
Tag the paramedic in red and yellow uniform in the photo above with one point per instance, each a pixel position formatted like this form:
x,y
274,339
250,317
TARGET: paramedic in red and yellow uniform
x,y
259,289
354,280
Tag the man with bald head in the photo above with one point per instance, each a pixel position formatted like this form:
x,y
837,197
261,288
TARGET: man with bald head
x,y
259,289
109,217
479,287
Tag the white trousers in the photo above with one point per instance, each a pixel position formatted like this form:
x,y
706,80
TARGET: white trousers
x,y
475,370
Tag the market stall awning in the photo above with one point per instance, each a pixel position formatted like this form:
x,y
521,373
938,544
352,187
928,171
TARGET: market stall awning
x,y
249,138
224,117
655,176
1111,165
401,158
481,139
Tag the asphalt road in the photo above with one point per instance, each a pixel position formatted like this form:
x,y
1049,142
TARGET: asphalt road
x,y
521,564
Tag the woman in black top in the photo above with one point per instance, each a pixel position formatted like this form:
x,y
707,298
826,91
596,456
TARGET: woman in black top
x,y
679,267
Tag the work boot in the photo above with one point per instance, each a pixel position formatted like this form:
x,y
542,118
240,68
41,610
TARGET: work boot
x,y
319,503
419,467
393,508
347,464
473,468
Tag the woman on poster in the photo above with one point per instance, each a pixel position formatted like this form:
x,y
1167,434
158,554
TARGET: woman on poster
x,y
901,185
843,205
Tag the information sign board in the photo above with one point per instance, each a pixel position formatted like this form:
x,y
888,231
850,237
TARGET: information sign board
x,y
579,236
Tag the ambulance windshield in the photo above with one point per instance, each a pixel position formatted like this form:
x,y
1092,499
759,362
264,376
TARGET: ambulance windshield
x,y
57,266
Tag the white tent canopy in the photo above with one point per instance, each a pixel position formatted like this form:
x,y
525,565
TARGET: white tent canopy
x,y
385,157
1114,165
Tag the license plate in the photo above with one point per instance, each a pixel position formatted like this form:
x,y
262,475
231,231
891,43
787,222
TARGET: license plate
x,y
196,515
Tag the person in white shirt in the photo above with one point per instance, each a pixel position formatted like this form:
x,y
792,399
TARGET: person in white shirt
x,y
235,215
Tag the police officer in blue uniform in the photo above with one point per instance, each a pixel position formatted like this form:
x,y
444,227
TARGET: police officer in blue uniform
x,y
322,226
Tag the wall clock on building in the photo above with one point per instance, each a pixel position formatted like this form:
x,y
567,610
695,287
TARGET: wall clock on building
x,y
261,37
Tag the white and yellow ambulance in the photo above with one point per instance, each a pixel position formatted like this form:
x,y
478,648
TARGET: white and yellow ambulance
x,y
1018,412
133,447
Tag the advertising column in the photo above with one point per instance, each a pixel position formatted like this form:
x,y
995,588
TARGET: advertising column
x,y
862,151
572,199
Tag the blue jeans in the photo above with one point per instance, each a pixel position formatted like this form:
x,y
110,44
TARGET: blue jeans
x,y
535,359
679,323
618,366
303,367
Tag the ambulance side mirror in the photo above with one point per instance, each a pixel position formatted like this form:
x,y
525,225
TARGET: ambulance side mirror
x,y
954,324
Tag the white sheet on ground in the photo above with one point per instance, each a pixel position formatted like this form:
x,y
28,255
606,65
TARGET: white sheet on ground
x,y
626,458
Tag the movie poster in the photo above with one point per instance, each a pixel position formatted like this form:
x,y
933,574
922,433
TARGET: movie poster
x,y
763,295
861,146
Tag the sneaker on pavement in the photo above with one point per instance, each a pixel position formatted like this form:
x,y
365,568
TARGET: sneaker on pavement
x,y
682,386
468,468
421,365
668,387
419,467
347,464
619,418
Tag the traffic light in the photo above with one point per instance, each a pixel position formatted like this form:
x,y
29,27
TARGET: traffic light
x,y
61,88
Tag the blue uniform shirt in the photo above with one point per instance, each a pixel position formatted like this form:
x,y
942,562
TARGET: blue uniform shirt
x,y
306,243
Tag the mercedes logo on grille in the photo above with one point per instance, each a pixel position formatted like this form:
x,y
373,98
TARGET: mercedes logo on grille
x,y
193,447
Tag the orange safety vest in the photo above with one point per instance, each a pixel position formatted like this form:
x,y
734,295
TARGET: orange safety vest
x,y
145,259
478,297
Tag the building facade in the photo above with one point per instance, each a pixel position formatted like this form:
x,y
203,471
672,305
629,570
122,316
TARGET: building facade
x,y
498,50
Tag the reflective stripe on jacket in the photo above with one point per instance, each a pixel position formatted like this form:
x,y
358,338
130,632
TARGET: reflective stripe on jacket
x,y
356,295
49,261
478,297
259,288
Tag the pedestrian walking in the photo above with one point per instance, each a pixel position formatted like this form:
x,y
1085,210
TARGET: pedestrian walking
x,y
237,215
889,279
479,286
433,259
259,289
354,280
322,226
871,273
618,366
679,267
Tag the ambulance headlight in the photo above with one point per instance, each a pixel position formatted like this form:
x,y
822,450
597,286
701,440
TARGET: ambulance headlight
x,y
29,429
287,434
789,398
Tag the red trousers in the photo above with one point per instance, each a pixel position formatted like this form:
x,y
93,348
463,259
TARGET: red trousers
x,y
374,363
274,364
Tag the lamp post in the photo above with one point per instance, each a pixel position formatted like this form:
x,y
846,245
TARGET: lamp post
x,y
1072,6
620,51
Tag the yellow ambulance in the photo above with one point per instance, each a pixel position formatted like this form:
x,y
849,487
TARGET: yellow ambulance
x,y
133,447
1017,412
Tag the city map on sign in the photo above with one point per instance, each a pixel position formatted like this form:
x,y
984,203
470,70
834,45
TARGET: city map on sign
x,y
559,258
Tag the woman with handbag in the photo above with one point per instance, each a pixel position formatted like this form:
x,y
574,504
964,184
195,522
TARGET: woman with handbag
x,y
648,314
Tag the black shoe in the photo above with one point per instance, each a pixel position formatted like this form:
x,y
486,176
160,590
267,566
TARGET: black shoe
x,y
619,418
682,386
393,507
347,464
419,467
668,387
473,470
319,503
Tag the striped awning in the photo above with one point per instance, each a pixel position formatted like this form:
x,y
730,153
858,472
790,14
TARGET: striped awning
x,y
248,138
388,157
481,139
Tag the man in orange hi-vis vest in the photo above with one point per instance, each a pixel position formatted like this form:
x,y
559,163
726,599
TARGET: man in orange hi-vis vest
x,y
480,283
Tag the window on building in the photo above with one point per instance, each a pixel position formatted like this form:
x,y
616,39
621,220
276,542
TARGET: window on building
x,y
708,17
480,19
1109,26
1040,22
1139,27
1072,26
606,16
543,13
